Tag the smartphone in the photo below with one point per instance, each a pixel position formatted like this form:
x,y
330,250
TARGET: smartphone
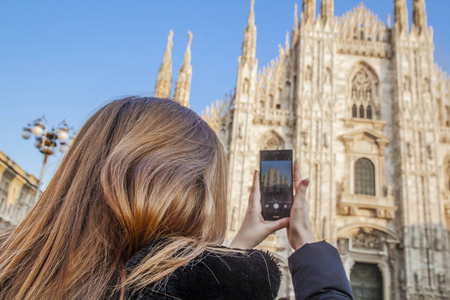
x,y
276,181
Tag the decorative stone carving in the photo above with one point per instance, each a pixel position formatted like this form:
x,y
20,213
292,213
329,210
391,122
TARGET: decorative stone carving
x,y
402,279
430,152
325,140
389,190
408,149
271,142
392,251
308,75
441,282
342,246
362,32
417,281
437,239
365,240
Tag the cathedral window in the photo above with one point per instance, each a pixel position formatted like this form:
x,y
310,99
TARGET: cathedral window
x,y
369,112
361,91
271,141
287,91
364,177
280,97
354,111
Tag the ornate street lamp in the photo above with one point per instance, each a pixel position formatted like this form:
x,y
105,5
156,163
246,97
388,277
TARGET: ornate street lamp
x,y
47,141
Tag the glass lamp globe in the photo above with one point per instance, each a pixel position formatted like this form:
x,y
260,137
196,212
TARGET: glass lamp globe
x,y
38,129
63,148
26,134
38,144
63,135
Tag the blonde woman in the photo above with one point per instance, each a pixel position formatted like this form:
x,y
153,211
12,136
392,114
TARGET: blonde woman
x,y
137,210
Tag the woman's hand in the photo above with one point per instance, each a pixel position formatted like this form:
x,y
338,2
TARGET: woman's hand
x,y
299,229
254,230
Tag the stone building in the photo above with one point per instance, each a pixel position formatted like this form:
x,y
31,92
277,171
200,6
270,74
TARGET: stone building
x,y
17,191
367,111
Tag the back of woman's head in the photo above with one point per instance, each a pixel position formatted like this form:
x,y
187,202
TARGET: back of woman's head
x,y
140,169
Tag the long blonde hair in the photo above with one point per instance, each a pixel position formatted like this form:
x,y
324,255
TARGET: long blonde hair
x,y
140,169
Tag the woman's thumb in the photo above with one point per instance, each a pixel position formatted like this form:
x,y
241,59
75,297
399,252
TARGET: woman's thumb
x,y
277,225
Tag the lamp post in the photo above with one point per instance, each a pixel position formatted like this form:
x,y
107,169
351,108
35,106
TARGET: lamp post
x,y
47,140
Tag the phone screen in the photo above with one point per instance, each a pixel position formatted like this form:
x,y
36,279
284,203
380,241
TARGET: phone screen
x,y
276,178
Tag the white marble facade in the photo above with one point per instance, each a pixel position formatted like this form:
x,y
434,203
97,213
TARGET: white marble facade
x,y
352,94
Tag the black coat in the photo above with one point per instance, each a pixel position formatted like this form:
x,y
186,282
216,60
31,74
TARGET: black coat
x,y
316,269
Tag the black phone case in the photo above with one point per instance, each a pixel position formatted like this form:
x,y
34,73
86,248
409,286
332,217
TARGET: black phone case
x,y
276,183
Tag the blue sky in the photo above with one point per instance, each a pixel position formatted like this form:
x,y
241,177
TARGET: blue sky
x,y
65,59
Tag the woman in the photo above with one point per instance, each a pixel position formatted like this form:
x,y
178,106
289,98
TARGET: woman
x,y
137,210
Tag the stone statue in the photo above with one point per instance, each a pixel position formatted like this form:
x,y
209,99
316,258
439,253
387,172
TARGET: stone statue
x,y
441,282
417,281
389,190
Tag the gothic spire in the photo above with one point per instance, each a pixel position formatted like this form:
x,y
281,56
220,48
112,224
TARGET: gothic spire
x,y
294,37
164,80
327,10
295,18
309,10
183,86
419,15
251,15
286,44
400,15
249,45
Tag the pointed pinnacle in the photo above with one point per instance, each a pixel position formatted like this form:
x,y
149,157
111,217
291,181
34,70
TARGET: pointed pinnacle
x,y
187,55
295,17
168,52
287,41
251,15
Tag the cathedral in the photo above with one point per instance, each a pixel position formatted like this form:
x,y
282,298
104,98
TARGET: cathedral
x,y
367,112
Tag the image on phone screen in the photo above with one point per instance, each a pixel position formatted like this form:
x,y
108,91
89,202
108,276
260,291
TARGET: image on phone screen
x,y
276,184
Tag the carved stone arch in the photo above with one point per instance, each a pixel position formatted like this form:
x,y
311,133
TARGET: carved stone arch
x,y
364,90
346,231
271,141
371,244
